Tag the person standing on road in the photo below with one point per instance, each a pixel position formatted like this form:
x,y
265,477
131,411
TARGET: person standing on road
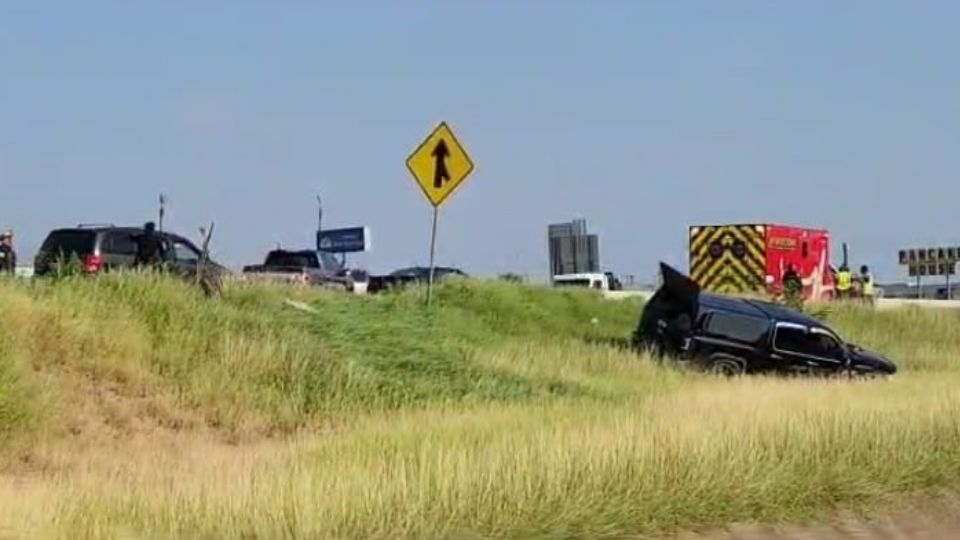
x,y
844,282
793,288
8,257
151,251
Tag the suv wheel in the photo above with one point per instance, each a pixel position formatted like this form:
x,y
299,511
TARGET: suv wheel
x,y
726,366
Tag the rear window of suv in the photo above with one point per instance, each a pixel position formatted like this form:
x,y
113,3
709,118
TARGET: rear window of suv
x,y
738,327
69,243
119,243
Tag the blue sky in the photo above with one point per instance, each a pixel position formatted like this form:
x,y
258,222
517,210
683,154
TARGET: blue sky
x,y
642,117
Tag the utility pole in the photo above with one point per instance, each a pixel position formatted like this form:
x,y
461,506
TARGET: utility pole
x,y
163,202
319,214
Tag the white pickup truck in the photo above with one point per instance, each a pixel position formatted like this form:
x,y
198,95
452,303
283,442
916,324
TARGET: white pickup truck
x,y
306,267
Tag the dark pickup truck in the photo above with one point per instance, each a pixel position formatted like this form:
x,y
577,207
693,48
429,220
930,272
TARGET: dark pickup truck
x,y
306,267
412,275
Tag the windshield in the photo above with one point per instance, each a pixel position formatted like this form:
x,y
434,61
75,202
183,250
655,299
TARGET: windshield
x,y
831,335
329,261
830,345
816,341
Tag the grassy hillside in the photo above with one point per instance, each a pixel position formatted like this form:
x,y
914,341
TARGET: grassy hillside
x,y
252,362
138,406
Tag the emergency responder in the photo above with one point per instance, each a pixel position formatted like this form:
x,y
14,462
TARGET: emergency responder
x,y
793,288
8,257
151,251
866,285
844,282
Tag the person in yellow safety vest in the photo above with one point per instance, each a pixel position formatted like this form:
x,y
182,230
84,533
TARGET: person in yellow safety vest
x,y
844,282
867,287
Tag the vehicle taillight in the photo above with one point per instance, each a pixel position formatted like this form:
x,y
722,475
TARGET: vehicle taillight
x,y
92,263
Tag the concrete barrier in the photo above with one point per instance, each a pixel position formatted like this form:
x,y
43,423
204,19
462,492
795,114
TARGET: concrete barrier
x,y
882,303
894,303
621,295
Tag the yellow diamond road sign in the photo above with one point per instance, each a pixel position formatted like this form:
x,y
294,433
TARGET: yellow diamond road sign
x,y
440,164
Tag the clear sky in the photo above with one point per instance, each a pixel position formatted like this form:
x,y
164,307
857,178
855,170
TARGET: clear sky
x,y
642,117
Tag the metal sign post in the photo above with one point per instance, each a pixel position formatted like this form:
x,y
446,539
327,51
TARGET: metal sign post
x,y
439,165
433,245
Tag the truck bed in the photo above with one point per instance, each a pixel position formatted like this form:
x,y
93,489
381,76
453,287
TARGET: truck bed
x,y
293,275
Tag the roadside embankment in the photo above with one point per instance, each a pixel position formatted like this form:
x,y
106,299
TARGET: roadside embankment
x,y
137,407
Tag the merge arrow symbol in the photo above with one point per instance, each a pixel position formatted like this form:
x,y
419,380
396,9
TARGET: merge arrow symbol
x,y
440,154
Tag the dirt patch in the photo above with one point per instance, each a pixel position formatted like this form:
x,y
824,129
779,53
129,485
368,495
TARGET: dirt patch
x,y
931,519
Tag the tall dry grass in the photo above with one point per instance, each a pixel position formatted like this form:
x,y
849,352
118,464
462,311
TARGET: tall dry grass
x,y
505,416
704,455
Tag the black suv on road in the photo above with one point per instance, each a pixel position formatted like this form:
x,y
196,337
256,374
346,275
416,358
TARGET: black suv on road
x,y
102,248
731,336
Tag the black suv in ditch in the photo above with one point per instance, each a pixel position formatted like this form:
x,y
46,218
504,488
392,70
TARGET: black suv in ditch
x,y
731,336
102,248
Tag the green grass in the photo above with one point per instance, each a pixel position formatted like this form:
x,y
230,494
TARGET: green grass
x,y
148,409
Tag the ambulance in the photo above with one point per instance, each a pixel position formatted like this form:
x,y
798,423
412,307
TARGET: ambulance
x,y
752,259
